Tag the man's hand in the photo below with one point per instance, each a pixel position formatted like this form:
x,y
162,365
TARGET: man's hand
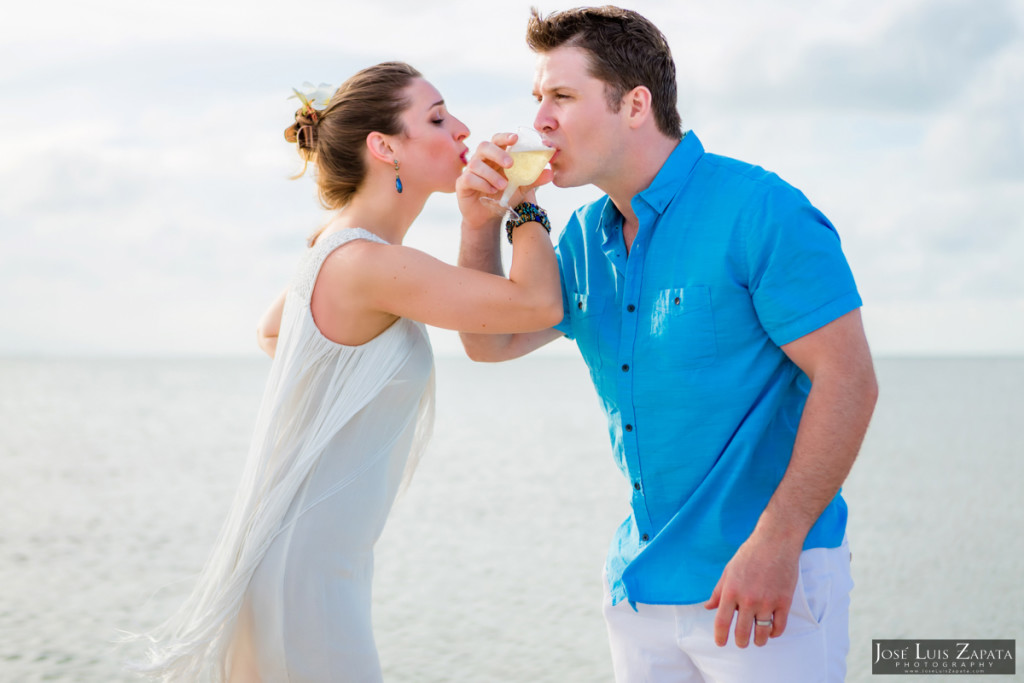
x,y
757,584
483,177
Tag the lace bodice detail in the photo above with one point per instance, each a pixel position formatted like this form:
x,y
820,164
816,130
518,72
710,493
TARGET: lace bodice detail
x,y
313,259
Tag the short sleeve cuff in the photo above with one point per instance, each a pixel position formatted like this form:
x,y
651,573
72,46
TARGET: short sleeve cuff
x,y
816,319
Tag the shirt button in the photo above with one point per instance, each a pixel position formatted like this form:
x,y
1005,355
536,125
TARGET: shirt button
x,y
625,368
579,305
677,301
645,538
636,485
629,428
631,308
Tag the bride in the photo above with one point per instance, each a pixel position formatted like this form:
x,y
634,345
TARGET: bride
x,y
285,594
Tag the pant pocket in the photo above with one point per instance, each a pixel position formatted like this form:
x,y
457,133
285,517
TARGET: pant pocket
x,y
814,587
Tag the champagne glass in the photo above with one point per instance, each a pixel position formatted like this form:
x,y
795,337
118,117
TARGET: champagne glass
x,y
529,156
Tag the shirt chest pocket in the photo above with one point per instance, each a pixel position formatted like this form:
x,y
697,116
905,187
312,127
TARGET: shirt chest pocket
x,y
586,311
682,328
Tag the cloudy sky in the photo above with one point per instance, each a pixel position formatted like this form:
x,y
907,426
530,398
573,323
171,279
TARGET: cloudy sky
x,y
146,207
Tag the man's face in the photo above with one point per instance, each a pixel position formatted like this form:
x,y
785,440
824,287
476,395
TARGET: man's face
x,y
574,117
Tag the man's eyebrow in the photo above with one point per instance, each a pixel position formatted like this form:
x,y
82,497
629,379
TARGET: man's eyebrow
x,y
552,88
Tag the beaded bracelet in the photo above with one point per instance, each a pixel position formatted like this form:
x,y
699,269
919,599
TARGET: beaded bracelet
x,y
528,213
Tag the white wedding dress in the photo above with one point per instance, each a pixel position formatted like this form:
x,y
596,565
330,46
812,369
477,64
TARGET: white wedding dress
x,y
285,596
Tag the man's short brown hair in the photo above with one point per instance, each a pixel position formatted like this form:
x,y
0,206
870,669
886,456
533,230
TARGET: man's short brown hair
x,y
625,49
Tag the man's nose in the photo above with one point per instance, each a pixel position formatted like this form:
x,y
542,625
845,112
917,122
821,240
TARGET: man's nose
x,y
544,122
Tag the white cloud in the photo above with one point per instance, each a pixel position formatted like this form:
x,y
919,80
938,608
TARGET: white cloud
x,y
916,59
981,139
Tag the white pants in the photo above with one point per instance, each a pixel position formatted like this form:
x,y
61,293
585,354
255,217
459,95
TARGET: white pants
x,y
675,643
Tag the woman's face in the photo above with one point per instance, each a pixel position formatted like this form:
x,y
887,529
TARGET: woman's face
x,y
431,153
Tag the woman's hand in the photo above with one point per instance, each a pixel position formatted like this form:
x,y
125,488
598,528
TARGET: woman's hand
x,y
483,177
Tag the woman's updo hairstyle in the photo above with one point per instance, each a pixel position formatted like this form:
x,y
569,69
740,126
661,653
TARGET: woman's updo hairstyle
x,y
334,138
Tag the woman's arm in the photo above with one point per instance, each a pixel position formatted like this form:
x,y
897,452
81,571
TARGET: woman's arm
x,y
408,283
270,326
363,286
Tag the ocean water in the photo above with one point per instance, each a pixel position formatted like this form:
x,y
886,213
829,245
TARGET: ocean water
x,y
114,476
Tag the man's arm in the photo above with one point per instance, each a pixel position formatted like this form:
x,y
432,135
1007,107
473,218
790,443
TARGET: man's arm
x,y
480,247
479,250
760,580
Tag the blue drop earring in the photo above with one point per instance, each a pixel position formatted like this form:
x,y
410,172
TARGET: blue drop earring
x,y
398,181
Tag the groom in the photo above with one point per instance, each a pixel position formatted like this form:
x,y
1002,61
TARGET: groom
x,y
721,325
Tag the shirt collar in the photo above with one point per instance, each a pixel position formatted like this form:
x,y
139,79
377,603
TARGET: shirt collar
x,y
662,189
673,172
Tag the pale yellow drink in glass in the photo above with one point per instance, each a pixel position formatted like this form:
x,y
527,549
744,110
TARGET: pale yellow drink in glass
x,y
526,166
529,157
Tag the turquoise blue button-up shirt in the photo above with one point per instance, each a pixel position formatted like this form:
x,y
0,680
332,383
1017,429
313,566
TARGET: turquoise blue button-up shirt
x,y
682,340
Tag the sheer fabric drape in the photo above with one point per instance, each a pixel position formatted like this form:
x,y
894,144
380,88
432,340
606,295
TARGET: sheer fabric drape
x,y
338,433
